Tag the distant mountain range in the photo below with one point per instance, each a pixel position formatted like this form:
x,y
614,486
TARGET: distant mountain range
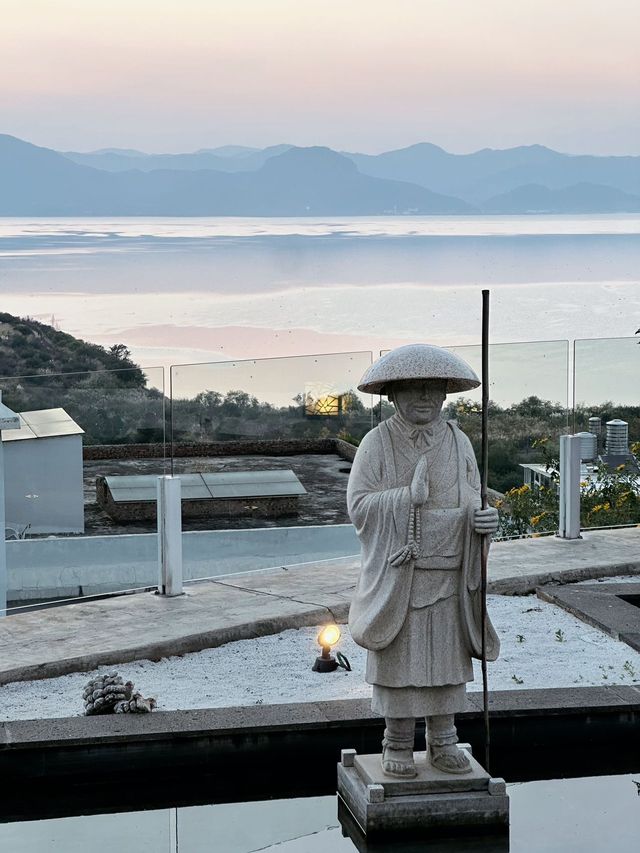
x,y
285,180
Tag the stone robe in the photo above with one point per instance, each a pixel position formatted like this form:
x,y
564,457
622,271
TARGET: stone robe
x,y
420,621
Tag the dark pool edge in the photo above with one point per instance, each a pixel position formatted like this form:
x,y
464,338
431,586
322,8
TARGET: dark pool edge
x,y
85,765
297,717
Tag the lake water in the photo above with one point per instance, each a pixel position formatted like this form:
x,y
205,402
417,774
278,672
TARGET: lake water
x,y
193,290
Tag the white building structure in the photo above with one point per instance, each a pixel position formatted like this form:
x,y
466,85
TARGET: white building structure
x,y
8,421
43,474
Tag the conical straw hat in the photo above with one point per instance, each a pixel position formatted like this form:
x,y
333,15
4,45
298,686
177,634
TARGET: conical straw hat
x,y
418,361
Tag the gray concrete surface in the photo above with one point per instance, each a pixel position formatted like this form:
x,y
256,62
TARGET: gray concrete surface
x,y
519,566
82,636
324,476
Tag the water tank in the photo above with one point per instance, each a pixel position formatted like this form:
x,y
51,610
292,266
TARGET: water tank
x,y
595,425
617,438
588,446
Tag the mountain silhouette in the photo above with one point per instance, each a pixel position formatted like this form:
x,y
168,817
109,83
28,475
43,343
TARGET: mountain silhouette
x,y
300,181
226,158
578,198
284,180
479,176
39,182
320,181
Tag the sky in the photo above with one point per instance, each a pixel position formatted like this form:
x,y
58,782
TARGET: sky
x,y
362,75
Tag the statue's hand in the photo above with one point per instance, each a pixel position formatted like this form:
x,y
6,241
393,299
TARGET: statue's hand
x,y
419,483
486,520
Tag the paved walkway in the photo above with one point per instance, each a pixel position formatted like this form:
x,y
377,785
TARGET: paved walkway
x,y
82,636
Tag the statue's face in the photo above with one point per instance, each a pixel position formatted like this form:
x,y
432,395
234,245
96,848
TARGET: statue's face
x,y
419,401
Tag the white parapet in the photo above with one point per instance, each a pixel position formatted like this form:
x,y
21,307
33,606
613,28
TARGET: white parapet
x,y
169,536
8,420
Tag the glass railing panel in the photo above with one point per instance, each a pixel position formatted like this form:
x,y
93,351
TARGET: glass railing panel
x,y
300,397
607,403
529,411
269,428
68,524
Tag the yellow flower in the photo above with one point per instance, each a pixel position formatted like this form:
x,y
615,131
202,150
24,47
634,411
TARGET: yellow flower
x,y
621,467
498,504
538,441
583,484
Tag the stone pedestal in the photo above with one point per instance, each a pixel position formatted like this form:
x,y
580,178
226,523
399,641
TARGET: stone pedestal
x,y
432,802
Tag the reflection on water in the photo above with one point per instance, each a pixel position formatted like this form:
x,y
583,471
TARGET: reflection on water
x,y
590,815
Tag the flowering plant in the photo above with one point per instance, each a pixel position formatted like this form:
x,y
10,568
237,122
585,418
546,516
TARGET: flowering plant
x,y
607,498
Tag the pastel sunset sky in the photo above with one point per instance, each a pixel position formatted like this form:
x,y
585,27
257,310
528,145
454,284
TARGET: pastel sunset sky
x,y
367,75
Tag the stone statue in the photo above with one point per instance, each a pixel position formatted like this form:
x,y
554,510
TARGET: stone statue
x,y
414,498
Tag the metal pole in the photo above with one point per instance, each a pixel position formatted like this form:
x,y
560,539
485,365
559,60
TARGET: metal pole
x,y
485,539
169,536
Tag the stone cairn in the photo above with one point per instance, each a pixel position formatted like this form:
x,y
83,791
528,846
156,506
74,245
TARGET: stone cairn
x,y
109,694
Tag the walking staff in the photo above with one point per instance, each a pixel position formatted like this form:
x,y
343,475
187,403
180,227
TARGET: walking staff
x,y
486,538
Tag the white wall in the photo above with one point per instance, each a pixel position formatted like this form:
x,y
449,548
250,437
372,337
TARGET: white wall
x,y
50,471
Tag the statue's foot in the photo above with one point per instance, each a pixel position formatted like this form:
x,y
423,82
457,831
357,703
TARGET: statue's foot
x,y
449,759
398,762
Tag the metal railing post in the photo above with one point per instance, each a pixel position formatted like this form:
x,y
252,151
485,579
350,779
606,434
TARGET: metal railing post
x,y
169,536
569,526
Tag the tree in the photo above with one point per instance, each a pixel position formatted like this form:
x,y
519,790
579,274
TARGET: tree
x,y
120,351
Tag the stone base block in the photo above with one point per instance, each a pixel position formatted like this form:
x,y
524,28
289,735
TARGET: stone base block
x,y
431,802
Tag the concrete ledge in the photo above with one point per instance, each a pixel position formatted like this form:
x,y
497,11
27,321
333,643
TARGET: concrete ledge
x,y
529,584
300,716
80,637
234,447
603,606
517,567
